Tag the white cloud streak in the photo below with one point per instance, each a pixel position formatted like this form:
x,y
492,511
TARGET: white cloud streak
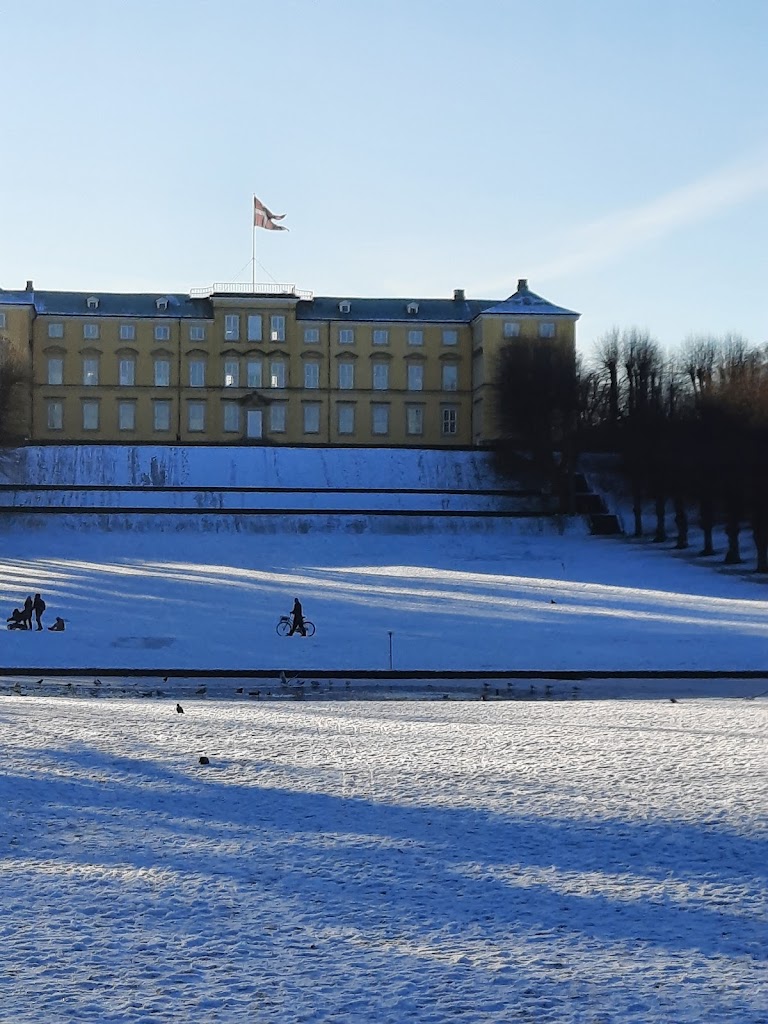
x,y
608,238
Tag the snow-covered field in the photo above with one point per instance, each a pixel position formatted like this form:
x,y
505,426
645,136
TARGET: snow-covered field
x,y
538,860
379,863
517,597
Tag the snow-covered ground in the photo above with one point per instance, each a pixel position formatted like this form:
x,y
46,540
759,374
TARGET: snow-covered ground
x,y
518,596
379,863
549,858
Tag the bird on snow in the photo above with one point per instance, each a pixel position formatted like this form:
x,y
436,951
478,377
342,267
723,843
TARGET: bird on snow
x,y
179,709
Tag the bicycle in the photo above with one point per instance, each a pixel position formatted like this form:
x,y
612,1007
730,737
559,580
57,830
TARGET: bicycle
x,y
284,626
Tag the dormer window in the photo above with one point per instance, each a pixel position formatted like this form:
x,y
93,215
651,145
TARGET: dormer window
x,y
412,308
345,306
92,302
161,303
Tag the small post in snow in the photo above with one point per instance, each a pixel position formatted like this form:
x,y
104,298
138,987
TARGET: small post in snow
x,y
390,648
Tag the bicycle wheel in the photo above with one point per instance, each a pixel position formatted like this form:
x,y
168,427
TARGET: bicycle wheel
x,y
310,627
283,627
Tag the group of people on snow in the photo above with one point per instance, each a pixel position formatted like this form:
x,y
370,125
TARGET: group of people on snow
x,y
21,618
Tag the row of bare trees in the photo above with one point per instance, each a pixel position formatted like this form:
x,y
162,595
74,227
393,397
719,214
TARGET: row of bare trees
x,y
691,427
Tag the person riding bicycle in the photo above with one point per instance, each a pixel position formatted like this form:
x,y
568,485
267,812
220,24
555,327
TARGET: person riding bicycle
x,y
297,617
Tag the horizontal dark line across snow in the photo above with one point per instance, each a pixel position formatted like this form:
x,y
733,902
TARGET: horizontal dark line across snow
x,y
131,510
426,674
228,489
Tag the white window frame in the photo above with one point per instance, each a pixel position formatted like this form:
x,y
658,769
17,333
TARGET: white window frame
x,y
91,370
231,417
55,414
345,418
277,374
346,376
379,419
511,329
90,332
197,373
380,376
415,374
161,415
311,335
449,377
311,375
162,373
449,420
346,335
380,336
311,416
126,371
254,327
277,327
231,373
196,417
56,330
414,420
254,373
277,417
416,337
232,327
196,332
127,332
90,415
450,336
162,332
126,415
55,370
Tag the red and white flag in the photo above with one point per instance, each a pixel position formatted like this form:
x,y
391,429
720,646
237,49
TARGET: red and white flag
x,y
264,218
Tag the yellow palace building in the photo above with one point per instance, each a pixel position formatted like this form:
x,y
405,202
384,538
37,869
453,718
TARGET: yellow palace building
x,y
264,364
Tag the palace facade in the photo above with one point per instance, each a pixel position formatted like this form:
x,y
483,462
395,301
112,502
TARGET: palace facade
x,y
265,364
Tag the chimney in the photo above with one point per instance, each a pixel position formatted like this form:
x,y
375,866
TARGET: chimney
x,y
30,286
458,295
522,284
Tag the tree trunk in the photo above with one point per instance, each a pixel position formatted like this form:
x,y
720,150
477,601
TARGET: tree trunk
x,y
637,509
732,530
760,533
760,529
681,522
707,509
661,525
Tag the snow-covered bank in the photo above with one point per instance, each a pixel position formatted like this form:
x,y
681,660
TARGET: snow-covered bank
x,y
247,466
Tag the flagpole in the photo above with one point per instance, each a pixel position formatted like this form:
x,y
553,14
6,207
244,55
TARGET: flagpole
x,y
253,245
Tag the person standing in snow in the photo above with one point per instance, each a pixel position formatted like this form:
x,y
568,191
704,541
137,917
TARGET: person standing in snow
x,y
298,618
38,606
28,606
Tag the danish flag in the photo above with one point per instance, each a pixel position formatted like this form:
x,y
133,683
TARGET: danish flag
x,y
264,218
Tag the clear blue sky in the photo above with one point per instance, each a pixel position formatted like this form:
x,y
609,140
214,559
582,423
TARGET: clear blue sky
x,y
614,152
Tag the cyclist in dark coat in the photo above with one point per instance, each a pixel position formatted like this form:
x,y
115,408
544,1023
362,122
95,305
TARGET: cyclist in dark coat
x,y
297,624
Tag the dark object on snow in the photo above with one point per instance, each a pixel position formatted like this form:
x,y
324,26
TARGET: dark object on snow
x,y
673,700
179,709
204,760
58,626
297,625
28,606
16,620
38,607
